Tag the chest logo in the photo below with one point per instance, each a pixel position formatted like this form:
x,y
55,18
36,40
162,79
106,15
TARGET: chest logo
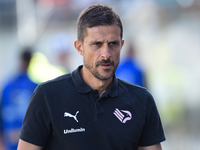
x,y
66,114
122,115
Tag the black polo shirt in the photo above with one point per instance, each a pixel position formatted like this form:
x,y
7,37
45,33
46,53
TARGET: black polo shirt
x,y
66,114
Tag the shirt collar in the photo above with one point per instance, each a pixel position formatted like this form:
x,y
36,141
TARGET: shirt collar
x,y
112,90
82,87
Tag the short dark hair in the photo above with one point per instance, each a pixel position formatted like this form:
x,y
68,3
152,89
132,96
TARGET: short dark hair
x,y
26,54
96,15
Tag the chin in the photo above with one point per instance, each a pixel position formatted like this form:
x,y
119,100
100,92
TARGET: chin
x,y
107,77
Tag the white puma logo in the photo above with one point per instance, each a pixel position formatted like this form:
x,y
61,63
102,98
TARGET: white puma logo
x,y
66,114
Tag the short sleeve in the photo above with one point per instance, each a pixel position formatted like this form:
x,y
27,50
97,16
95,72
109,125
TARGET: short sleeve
x,y
37,127
152,131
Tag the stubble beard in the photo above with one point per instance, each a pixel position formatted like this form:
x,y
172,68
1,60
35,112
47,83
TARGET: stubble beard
x,y
96,74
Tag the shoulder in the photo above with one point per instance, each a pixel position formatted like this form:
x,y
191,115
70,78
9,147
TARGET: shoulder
x,y
57,82
47,90
123,85
133,90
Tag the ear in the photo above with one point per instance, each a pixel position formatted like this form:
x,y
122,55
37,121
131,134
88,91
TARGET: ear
x,y
122,43
79,47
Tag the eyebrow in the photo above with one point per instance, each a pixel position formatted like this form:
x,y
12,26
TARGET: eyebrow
x,y
93,42
115,41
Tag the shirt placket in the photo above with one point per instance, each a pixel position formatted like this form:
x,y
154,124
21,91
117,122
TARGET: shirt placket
x,y
99,111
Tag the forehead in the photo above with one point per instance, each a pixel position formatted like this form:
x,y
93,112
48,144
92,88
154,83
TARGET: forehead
x,y
102,33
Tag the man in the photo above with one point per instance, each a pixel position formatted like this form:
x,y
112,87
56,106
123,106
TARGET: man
x,y
14,102
129,70
90,109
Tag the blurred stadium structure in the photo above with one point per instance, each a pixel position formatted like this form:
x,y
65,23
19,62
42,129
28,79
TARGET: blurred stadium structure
x,y
166,36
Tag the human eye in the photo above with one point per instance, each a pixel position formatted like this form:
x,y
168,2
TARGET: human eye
x,y
97,43
114,43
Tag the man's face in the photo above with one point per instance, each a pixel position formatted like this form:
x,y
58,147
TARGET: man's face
x,y
101,50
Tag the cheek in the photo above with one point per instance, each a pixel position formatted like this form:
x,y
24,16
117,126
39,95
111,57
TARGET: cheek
x,y
117,56
88,58
91,56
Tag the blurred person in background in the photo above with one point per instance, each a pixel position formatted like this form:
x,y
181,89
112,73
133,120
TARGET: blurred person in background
x,y
91,108
14,102
129,70
61,50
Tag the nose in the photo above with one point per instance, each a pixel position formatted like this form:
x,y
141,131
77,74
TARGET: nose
x,y
105,52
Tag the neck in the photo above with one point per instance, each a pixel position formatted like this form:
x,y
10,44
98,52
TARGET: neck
x,y
93,82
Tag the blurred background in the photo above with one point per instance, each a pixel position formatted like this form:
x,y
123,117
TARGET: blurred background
x,y
163,35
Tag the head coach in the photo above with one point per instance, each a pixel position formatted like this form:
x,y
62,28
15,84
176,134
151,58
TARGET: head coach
x,y
90,108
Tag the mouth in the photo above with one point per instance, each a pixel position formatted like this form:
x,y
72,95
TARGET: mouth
x,y
105,65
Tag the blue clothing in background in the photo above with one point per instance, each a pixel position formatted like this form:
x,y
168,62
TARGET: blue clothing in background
x,y
129,71
14,102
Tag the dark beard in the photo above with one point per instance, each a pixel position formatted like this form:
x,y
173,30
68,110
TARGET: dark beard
x,y
96,74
